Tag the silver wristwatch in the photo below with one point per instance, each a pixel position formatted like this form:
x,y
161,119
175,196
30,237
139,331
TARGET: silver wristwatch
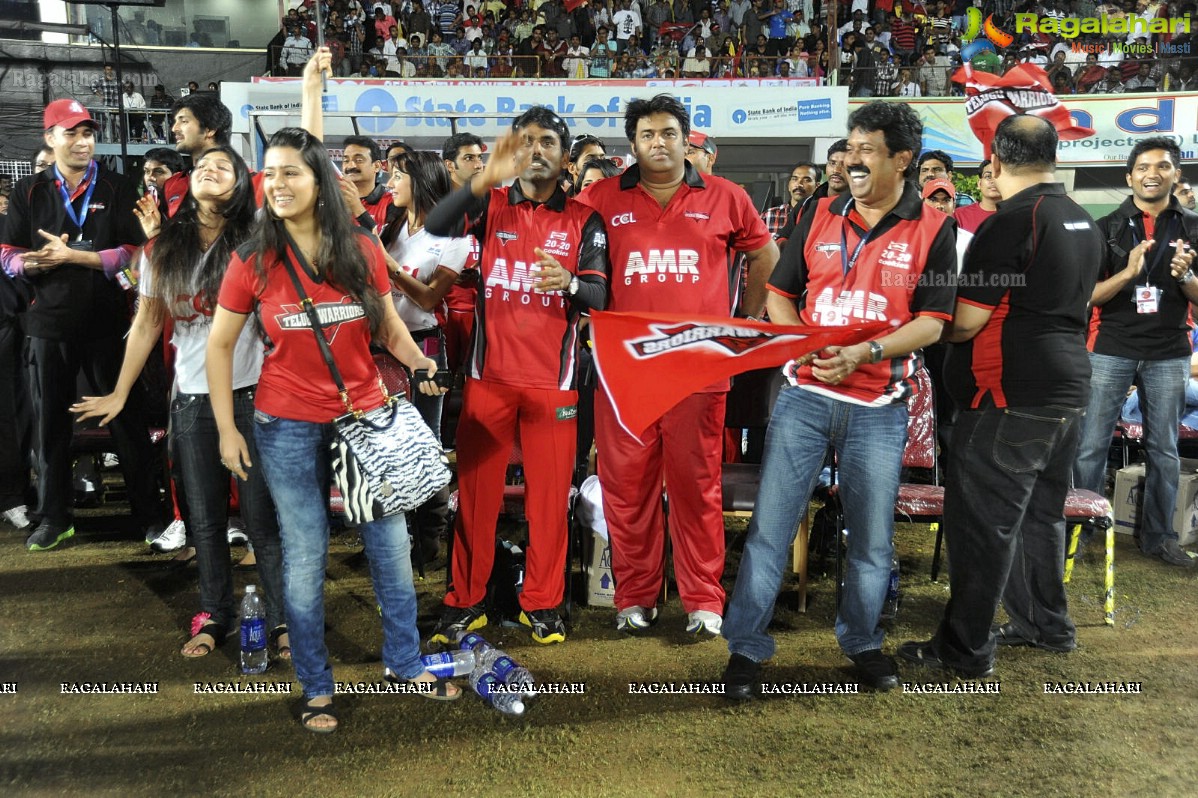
x,y
572,288
875,352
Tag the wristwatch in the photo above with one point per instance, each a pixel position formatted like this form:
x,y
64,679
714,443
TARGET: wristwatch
x,y
572,288
875,352
1185,278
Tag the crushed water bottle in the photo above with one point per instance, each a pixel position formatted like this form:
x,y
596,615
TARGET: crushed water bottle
x,y
449,664
489,659
254,658
891,605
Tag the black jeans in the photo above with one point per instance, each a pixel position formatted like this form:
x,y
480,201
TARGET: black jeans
x,y
196,445
430,520
53,368
16,418
1008,476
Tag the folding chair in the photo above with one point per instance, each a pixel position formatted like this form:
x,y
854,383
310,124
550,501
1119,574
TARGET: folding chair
x,y
1082,507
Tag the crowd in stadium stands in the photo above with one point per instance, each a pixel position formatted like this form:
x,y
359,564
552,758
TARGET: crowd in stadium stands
x,y
894,48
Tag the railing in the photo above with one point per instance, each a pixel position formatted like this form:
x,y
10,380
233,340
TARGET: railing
x,y
148,125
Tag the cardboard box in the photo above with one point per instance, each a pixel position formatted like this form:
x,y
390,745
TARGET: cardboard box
x,y
601,588
1128,501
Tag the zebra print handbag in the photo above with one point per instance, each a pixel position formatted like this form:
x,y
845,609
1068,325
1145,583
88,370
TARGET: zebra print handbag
x,y
385,461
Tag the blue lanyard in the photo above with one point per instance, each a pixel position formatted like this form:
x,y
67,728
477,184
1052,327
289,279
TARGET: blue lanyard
x,y
847,262
68,206
1157,252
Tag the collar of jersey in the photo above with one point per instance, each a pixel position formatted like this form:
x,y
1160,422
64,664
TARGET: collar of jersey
x,y
557,202
631,176
909,206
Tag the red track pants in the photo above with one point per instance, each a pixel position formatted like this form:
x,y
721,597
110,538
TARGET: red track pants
x,y
684,448
547,423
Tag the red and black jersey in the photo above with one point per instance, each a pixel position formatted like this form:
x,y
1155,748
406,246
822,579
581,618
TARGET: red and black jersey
x,y
296,383
522,337
1119,329
675,259
903,268
1034,264
380,210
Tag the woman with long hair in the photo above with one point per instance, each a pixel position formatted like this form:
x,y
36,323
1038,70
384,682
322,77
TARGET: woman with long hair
x,y
181,273
344,279
423,267
583,148
595,170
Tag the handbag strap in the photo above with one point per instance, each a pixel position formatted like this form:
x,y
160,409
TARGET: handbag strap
x,y
314,320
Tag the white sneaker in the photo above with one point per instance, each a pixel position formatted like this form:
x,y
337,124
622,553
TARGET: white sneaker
x,y
703,623
635,619
17,517
236,532
110,460
173,538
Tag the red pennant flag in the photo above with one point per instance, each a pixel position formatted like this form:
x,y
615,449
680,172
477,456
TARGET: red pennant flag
x,y
573,4
1024,89
649,362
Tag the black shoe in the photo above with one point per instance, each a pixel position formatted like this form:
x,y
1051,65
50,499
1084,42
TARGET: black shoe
x,y
924,655
741,678
1173,554
877,671
547,625
458,620
1008,635
48,535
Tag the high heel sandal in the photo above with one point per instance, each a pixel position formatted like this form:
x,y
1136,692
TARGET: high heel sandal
x,y
202,624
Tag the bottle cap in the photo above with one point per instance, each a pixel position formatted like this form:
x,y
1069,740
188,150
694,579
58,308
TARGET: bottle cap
x,y
251,589
517,707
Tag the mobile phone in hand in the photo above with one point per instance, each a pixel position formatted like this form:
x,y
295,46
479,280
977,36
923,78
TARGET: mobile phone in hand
x,y
442,379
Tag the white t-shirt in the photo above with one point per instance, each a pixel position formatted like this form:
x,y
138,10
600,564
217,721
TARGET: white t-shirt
x,y
190,339
420,255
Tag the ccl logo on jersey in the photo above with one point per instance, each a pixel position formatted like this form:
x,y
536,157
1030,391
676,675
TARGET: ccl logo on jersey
x,y
557,244
622,219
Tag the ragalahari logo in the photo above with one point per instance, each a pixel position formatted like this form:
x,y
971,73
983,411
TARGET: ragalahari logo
x,y
995,37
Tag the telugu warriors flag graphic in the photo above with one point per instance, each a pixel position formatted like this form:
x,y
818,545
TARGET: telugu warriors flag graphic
x,y
1024,89
649,362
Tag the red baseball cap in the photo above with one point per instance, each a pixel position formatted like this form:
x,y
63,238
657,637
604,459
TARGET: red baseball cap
x,y
939,184
702,141
67,113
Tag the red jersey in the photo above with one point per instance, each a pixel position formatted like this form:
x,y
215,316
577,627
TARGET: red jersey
x,y
464,294
900,269
378,204
675,259
522,337
295,382
970,217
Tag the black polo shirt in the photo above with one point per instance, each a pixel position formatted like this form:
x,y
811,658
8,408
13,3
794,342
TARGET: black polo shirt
x,y
1034,264
1119,330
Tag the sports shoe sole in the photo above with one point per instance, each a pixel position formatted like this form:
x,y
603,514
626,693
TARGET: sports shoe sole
x,y
702,631
69,532
549,639
442,637
629,626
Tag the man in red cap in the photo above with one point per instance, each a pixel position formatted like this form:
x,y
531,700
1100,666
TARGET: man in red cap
x,y
701,151
70,230
940,194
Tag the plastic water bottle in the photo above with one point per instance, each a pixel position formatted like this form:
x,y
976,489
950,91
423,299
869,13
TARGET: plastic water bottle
x,y
508,671
253,632
484,683
473,641
449,664
890,606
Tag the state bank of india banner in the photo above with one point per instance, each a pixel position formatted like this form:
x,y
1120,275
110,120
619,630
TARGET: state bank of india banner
x,y
1118,120
738,109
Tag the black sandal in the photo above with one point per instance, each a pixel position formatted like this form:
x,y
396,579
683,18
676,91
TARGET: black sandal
x,y
202,624
282,652
310,712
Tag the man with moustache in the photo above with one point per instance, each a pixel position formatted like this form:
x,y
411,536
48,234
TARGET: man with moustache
x,y
367,200
543,263
841,269
804,179
835,184
663,207
462,154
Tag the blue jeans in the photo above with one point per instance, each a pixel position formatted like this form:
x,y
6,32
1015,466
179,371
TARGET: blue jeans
x,y
196,446
1162,389
1004,524
295,456
869,445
